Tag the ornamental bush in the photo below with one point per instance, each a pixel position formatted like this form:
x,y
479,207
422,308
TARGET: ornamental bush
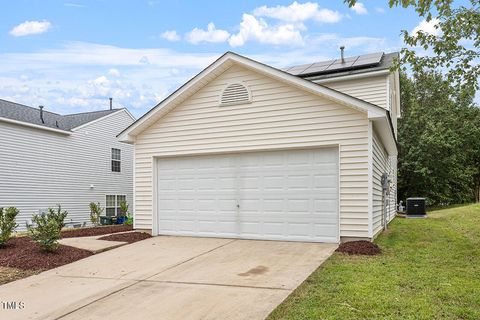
x,y
95,212
58,215
45,231
46,228
7,223
124,208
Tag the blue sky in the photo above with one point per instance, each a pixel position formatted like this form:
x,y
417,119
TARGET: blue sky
x,y
70,56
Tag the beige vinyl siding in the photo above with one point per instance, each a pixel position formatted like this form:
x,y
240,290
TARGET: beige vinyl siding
x,y
370,89
40,169
382,163
279,116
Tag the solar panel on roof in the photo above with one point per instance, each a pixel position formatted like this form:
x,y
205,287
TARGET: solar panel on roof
x,y
368,59
336,64
299,69
318,66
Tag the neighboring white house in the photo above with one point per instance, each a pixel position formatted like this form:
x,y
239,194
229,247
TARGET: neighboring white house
x,y
245,150
48,159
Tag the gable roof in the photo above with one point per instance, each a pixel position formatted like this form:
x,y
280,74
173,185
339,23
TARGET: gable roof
x,y
28,115
223,63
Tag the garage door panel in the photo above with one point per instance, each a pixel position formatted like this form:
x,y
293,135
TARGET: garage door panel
x,y
325,181
206,226
282,195
274,228
275,205
226,183
299,229
325,230
273,183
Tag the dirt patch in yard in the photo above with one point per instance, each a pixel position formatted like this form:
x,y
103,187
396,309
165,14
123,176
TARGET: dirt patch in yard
x,y
361,247
95,231
12,274
129,237
22,253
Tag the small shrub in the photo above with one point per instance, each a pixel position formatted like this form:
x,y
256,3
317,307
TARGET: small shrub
x,y
58,216
46,231
7,223
124,208
129,221
95,212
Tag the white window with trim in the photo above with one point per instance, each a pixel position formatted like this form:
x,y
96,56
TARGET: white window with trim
x,y
112,204
116,160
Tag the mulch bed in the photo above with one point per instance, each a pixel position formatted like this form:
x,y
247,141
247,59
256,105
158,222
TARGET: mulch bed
x,y
129,237
23,253
95,231
360,247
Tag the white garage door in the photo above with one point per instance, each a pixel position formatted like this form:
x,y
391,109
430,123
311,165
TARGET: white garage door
x,y
279,195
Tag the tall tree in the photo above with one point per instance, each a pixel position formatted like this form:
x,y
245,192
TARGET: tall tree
x,y
439,140
455,47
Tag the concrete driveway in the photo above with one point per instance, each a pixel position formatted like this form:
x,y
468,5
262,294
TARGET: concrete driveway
x,y
169,278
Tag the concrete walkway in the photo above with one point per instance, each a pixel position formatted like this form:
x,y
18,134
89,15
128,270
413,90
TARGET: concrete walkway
x,y
92,243
169,278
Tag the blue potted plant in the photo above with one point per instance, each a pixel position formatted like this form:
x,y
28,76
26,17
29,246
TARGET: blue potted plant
x,y
122,218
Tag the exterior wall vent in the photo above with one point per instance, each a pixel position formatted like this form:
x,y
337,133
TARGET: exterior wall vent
x,y
235,93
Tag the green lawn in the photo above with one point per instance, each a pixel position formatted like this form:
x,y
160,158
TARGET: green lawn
x,y
429,269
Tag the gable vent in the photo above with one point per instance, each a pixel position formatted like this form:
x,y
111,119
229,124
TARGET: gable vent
x,y
235,93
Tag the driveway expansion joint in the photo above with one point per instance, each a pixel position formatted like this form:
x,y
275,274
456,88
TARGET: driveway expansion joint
x,y
218,285
191,259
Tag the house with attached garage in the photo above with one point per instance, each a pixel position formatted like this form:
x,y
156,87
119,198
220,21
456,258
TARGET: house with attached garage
x,y
246,150
48,159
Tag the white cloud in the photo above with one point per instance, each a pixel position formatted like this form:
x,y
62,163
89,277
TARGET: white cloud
x,y
91,54
359,8
30,27
170,35
298,12
212,34
379,10
144,60
331,42
81,76
428,27
276,25
114,72
258,30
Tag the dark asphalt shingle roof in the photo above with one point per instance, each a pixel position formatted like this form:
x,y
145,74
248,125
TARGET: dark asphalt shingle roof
x,y
23,113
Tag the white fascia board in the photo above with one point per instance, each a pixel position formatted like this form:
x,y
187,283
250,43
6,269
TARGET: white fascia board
x,y
370,179
397,94
129,114
102,118
352,76
384,129
197,82
376,114
36,126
